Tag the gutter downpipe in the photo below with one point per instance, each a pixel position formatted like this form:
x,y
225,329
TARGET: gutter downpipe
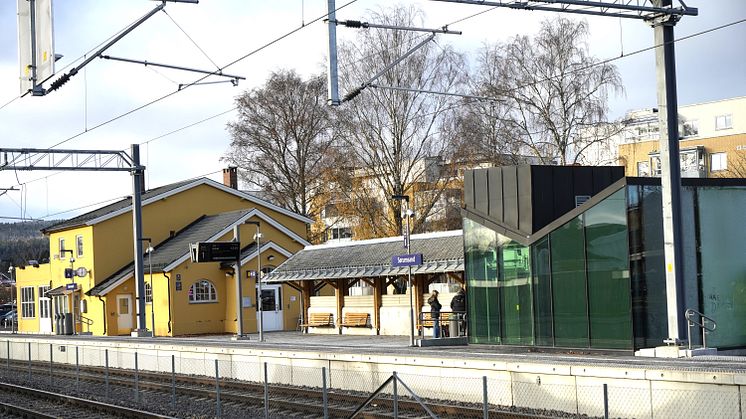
x,y
104,303
168,292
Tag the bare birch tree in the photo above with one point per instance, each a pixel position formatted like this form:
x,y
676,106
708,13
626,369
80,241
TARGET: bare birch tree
x,y
552,93
395,141
281,138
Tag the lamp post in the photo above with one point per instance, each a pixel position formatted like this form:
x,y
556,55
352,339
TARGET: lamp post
x,y
149,250
407,243
259,302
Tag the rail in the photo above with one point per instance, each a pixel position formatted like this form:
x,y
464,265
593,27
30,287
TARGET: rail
x,y
83,320
701,321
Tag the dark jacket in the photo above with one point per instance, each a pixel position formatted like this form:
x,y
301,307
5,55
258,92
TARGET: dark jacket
x,y
435,307
458,303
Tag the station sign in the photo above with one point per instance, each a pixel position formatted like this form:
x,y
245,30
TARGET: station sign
x,y
71,286
215,251
414,259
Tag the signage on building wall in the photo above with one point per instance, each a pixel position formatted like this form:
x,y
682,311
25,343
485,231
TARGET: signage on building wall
x,y
741,147
215,251
71,287
407,260
178,285
69,273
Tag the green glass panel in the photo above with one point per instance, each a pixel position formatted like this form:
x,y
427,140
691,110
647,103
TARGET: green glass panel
x,y
480,258
647,266
608,273
722,234
542,293
515,294
569,300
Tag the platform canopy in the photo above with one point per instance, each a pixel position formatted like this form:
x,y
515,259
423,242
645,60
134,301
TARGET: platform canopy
x,y
442,252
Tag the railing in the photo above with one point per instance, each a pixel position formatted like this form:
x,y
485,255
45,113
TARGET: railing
x,y
85,321
701,321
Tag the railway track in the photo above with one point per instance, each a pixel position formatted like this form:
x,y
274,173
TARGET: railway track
x,y
239,397
24,402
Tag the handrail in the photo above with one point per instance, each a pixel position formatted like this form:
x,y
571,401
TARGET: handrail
x,y
702,322
88,322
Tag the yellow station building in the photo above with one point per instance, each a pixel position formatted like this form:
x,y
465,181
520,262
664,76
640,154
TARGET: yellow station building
x,y
185,297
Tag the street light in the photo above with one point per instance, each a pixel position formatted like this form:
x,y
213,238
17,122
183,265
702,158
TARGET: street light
x,y
150,250
407,242
259,302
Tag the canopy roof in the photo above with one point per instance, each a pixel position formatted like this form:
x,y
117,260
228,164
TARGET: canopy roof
x,y
441,252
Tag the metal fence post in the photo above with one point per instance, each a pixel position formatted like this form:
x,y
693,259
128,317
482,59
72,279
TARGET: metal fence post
x,y
324,396
266,393
7,361
485,401
106,354
606,401
51,364
173,382
77,371
396,395
137,382
218,409
29,361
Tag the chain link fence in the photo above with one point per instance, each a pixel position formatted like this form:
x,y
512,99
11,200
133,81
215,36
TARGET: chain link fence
x,y
206,384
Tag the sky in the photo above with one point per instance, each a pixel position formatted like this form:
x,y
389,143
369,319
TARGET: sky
x,y
215,33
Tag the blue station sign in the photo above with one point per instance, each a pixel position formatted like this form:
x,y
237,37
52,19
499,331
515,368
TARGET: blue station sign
x,y
414,259
71,286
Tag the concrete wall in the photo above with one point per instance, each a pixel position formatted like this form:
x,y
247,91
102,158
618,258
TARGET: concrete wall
x,y
633,392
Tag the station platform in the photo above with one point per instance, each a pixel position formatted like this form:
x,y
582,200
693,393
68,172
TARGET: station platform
x,y
571,381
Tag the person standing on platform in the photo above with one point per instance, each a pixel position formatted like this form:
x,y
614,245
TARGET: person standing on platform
x,y
435,307
458,307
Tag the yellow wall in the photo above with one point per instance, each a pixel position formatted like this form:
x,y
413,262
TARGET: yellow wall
x,y
30,277
107,247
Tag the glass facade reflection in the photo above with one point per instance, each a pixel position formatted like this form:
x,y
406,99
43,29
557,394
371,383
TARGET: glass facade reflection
x,y
569,289
598,280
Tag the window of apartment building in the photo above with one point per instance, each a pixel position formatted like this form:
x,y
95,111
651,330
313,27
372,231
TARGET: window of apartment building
x,y
723,122
62,248
690,128
336,233
148,293
79,245
718,162
643,168
655,164
28,302
203,292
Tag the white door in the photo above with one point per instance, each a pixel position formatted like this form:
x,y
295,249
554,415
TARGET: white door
x,y
45,311
124,314
271,300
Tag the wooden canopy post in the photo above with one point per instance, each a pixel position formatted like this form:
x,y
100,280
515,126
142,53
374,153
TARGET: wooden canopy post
x,y
339,292
305,296
378,284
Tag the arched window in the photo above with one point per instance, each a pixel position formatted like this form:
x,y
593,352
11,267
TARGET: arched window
x,y
202,291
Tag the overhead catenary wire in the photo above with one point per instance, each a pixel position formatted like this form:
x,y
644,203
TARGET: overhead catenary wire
x,y
183,87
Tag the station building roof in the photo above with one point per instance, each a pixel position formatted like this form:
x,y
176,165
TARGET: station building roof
x,y
125,205
175,250
442,252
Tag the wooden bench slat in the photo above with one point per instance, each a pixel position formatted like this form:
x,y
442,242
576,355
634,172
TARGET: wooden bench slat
x,y
355,319
319,320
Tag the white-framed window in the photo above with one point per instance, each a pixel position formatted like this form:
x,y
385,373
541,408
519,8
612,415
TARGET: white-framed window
x,y
44,302
28,302
718,162
148,293
337,233
724,121
203,291
643,168
61,247
79,245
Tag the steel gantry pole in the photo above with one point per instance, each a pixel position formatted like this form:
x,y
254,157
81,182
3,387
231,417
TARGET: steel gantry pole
x,y
239,290
665,64
137,178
